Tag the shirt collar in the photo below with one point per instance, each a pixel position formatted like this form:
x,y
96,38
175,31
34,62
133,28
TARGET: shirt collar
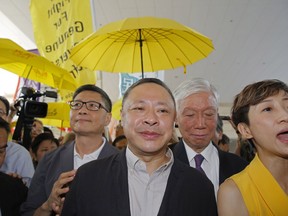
x,y
94,154
134,162
206,153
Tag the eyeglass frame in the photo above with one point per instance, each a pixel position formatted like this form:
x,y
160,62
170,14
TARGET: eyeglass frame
x,y
3,149
86,102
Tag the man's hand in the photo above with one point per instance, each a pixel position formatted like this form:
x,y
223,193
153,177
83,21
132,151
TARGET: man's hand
x,y
15,175
56,198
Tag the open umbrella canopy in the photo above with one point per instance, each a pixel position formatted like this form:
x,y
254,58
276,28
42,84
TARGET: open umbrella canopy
x,y
34,67
116,109
142,44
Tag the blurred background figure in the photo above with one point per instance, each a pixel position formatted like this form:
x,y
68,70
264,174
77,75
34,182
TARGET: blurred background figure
x,y
224,143
175,136
245,148
48,130
43,143
37,128
120,142
17,161
13,191
219,131
68,138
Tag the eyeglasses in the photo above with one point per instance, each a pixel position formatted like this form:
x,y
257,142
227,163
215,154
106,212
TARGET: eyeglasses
x,y
90,105
3,149
2,112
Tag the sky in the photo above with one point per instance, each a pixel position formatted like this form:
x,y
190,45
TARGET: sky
x,y
9,80
8,84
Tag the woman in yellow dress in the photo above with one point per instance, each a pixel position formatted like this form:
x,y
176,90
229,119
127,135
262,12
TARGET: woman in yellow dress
x,y
260,112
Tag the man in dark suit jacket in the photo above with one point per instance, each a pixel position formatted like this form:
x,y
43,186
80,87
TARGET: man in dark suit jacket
x,y
13,193
197,112
90,114
101,188
229,163
144,179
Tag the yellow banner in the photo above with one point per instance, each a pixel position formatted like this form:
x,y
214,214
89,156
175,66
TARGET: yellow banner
x,y
58,114
59,25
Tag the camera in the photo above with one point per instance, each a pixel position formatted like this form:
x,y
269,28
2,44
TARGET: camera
x,y
35,109
28,105
27,109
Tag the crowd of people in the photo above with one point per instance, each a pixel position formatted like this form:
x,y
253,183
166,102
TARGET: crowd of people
x,y
147,169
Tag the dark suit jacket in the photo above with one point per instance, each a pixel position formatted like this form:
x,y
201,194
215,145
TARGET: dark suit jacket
x,y
229,164
12,194
101,188
48,170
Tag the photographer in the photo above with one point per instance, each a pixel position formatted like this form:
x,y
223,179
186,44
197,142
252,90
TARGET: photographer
x,y
17,162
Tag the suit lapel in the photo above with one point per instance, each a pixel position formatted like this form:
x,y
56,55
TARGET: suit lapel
x,y
222,167
107,150
121,184
169,195
67,157
180,152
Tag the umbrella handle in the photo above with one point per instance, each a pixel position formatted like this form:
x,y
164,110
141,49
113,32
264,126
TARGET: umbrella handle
x,y
141,54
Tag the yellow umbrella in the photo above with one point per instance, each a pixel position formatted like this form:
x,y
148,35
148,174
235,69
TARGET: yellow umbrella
x,y
31,66
117,106
58,114
141,44
56,123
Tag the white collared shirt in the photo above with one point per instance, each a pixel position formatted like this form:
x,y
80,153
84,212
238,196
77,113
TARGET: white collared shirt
x,y
210,164
78,161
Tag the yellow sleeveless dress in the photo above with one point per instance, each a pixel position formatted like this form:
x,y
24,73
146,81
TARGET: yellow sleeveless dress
x,y
261,193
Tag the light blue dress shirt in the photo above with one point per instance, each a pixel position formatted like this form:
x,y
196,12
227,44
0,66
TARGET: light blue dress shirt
x,y
18,160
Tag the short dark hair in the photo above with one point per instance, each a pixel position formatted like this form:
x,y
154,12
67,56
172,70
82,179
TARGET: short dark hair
x,y
90,87
219,127
225,139
48,130
147,80
6,103
252,95
118,139
40,138
5,125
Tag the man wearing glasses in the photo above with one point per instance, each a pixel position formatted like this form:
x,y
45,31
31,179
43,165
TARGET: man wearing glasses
x,y
12,189
4,131
90,113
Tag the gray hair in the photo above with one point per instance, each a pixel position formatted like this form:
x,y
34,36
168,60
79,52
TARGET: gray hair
x,y
193,86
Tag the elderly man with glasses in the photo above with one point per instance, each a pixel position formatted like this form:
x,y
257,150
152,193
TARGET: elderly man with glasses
x,y
90,114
